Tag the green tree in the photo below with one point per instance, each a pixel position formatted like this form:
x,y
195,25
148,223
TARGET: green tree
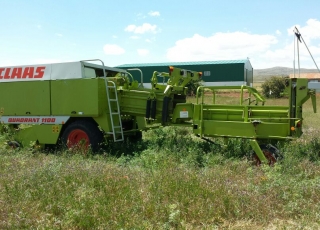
x,y
273,87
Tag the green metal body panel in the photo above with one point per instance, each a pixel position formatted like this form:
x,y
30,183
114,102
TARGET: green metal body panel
x,y
78,97
236,129
104,122
241,113
133,102
183,112
25,98
43,134
83,98
298,92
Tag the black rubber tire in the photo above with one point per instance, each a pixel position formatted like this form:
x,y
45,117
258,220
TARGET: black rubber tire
x,y
137,136
13,144
92,131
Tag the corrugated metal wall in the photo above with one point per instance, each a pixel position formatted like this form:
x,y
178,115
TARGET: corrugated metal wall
x,y
229,72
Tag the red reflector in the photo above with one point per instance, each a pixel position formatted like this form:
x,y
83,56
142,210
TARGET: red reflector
x,y
170,69
299,124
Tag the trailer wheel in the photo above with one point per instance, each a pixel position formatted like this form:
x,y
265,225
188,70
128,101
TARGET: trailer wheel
x,y
82,135
270,152
13,144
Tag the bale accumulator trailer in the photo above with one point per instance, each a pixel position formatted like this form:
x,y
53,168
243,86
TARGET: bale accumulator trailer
x,y
80,103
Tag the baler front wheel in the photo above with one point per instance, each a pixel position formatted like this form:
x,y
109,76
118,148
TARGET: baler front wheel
x,y
270,152
13,144
82,135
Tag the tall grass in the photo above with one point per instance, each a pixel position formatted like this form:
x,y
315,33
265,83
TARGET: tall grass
x,y
169,180
155,190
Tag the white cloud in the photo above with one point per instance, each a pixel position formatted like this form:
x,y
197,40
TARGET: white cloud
x,y
143,52
144,28
112,49
59,35
263,50
231,45
148,40
130,28
154,13
311,35
309,32
278,57
285,57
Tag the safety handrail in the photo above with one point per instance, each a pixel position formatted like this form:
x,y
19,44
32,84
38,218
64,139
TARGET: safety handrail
x,y
136,69
251,91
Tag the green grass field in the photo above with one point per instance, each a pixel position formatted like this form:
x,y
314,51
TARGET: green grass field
x,y
169,180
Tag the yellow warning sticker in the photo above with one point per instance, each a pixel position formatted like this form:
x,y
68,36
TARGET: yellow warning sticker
x,y
55,128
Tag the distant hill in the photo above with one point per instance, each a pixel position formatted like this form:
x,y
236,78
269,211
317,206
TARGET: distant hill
x,y
263,74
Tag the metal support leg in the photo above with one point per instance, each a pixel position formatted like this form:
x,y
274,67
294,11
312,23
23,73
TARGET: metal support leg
x,y
254,144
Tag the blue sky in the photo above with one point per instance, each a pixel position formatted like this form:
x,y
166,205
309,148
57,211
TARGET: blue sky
x,y
141,31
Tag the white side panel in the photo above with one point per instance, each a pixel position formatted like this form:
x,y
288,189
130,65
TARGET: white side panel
x,y
147,85
69,70
25,73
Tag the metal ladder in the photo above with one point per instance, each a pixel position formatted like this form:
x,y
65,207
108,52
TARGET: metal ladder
x,y
116,128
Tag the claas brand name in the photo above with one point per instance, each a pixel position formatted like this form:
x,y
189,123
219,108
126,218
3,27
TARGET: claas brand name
x,y
31,119
22,72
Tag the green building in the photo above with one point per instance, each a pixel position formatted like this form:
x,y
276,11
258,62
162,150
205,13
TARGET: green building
x,y
227,72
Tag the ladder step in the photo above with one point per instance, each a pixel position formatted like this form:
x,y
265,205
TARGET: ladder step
x,y
115,127
117,140
119,132
113,100
115,113
111,87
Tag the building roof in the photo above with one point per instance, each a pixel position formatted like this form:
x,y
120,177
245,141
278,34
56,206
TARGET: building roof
x,y
306,75
184,63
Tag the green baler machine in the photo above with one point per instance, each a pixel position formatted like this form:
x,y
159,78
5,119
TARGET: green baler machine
x,y
80,103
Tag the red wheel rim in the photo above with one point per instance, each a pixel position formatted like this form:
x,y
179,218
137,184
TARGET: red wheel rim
x,y
271,159
78,138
